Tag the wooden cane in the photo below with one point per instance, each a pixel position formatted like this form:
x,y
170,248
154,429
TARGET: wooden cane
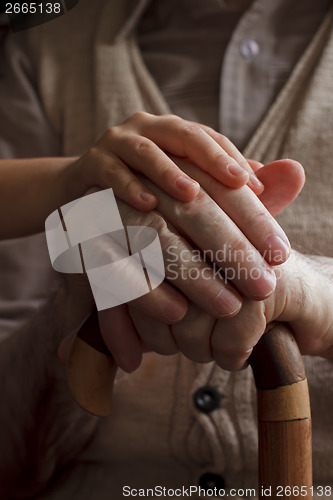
x,y
284,419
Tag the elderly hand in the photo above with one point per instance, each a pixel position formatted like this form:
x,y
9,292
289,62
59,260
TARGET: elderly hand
x,y
302,298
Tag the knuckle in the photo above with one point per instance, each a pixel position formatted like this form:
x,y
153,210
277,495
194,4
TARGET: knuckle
x,y
168,239
173,118
190,130
225,140
110,134
168,348
218,156
199,207
166,175
154,220
142,147
140,117
92,154
133,217
129,185
240,350
238,246
258,217
211,131
135,120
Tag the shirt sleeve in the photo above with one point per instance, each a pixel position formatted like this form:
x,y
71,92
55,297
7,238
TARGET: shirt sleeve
x,y
26,275
24,128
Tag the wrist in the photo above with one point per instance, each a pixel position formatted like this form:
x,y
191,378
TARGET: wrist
x,y
309,297
71,180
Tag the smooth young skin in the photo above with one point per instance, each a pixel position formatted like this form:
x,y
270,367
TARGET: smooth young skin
x,y
141,144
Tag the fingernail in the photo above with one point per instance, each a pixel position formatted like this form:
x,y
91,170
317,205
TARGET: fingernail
x,y
255,182
276,249
185,183
265,283
147,196
226,303
174,310
235,169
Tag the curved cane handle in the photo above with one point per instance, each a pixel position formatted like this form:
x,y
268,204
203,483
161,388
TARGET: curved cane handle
x,y
91,370
284,417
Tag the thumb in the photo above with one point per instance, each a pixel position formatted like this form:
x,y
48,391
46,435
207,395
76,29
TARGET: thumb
x,y
283,181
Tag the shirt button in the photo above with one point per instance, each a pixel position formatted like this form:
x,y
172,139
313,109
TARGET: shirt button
x,y
249,49
206,399
210,481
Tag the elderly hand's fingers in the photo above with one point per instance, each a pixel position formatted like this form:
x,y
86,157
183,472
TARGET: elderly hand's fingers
x,y
248,213
184,269
233,339
203,222
283,180
193,334
120,337
156,336
301,299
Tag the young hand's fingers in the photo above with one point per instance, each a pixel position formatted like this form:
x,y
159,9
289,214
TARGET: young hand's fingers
x,y
253,182
186,139
255,165
144,156
104,169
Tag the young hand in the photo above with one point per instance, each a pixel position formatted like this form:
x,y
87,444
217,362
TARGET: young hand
x,y
143,144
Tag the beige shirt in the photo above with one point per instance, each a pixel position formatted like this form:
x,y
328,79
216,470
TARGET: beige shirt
x,y
223,63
